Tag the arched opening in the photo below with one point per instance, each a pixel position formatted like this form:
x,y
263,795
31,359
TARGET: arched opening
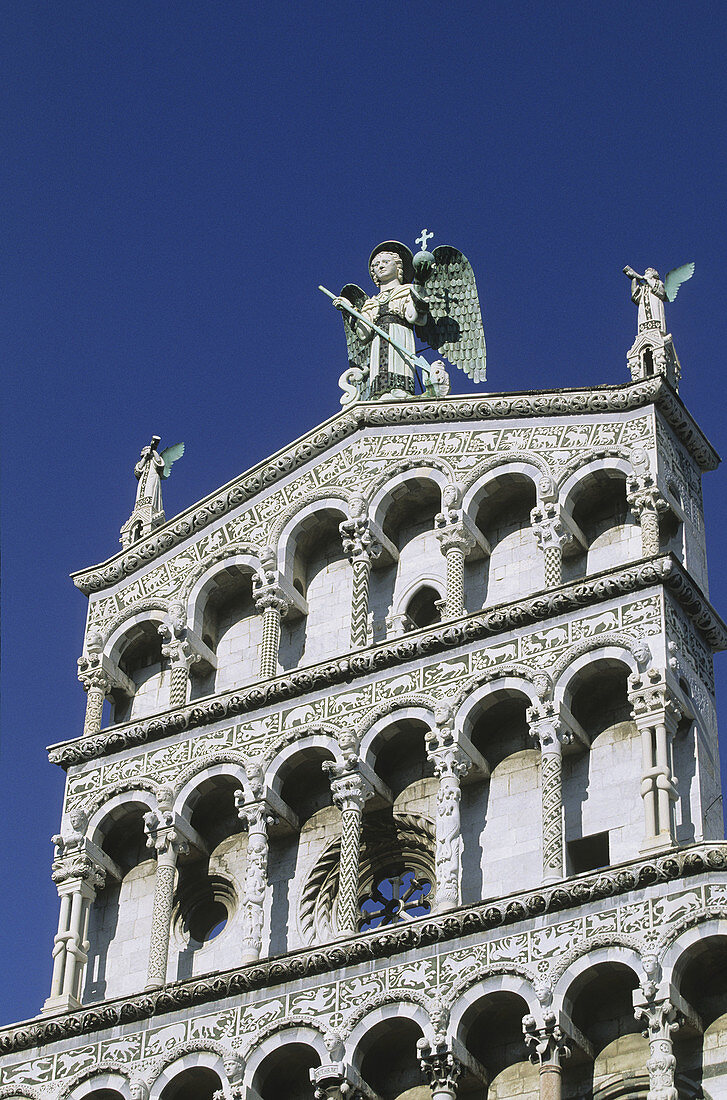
x,y
501,848
647,361
196,1083
120,917
701,977
492,1032
141,659
602,805
407,518
514,566
232,628
104,1094
601,512
389,1061
602,1009
285,1073
422,609
306,788
209,883
322,575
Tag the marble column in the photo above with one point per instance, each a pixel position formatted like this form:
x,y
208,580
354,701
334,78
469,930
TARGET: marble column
x,y
336,1081
551,537
657,716
548,1050
661,1019
97,684
547,730
350,792
166,839
647,504
456,543
440,1067
258,816
77,877
270,600
450,765
361,548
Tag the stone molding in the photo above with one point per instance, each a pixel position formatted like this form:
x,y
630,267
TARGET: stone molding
x,y
422,932
539,607
602,399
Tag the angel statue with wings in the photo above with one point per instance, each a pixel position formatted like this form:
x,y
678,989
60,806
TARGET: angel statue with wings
x,y
151,468
649,294
148,510
432,296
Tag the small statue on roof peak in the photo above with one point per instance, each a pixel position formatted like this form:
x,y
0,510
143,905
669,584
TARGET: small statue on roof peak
x,y
649,294
432,296
149,471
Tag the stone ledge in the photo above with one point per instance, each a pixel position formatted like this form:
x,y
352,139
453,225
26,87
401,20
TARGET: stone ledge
x,y
541,606
539,403
422,932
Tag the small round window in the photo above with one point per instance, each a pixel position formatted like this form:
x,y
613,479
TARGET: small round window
x,y
204,910
395,898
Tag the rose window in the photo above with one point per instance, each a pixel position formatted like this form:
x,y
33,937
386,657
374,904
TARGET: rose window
x,y
395,898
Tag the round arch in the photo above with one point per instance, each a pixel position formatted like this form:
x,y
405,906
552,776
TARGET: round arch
x,y
526,466
286,530
474,988
115,808
180,1062
284,1033
587,654
397,714
575,974
206,583
384,495
390,1006
200,773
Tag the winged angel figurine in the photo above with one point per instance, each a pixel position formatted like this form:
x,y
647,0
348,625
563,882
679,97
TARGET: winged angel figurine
x,y
151,468
649,294
430,295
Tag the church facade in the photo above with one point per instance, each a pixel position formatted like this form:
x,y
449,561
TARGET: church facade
x,y
399,774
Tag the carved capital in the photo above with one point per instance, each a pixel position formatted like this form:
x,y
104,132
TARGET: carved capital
x,y
359,543
455,536
349,789
334,1082
660,1017
652,700
547,728
449,761
548,526
440,1067
77,864
92,675
256,816
643,495
164,829
270,596
547,1044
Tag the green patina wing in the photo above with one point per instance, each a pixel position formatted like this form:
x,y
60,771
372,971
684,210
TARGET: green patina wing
x,y
455,327
358,351
170,456
675,278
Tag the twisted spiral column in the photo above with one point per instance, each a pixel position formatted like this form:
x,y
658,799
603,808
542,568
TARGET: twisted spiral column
x,y
456,543
77,877
656,715
361,548
350,792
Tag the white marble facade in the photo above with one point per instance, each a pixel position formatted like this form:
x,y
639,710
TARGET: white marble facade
x,y
399,774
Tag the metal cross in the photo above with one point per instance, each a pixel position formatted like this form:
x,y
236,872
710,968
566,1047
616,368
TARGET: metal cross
x,y
426,236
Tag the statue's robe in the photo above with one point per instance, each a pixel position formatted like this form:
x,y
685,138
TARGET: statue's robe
x,y
650,298
387,369
149,472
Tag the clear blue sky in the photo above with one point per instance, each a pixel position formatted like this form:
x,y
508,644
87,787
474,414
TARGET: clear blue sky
x,y
179,177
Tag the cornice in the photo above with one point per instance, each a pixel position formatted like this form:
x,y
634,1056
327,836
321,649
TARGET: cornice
x,y
660,570
423,932
446,410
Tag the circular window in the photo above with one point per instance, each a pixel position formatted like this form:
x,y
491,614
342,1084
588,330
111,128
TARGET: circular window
x,y
204,909
394,898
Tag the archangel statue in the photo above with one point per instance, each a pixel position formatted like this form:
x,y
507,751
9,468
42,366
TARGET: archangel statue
x,y
429,296
149,471
649,294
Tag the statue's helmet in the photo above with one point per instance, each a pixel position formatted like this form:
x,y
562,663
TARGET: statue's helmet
x,y
400,250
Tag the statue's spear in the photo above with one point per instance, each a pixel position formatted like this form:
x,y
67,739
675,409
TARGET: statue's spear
x,y
414,361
